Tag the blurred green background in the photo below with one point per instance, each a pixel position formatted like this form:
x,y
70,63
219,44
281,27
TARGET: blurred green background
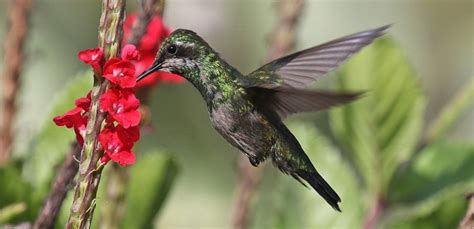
x,y
436,41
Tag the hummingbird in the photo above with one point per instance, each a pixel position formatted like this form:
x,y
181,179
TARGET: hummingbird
x,y
248,110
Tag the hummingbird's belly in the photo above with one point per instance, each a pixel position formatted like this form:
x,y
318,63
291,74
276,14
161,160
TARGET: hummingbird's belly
x,y
249,131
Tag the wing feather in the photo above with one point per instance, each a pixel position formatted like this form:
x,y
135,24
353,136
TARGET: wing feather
x,y
285,102
301,68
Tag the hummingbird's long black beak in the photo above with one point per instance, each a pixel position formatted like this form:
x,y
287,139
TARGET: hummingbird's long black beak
x,y
153,68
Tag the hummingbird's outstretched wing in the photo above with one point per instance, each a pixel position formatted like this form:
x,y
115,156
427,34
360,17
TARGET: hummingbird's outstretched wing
x,y
287,101
299,69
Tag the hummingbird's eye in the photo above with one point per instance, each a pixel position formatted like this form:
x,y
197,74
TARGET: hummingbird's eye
x,y
172,49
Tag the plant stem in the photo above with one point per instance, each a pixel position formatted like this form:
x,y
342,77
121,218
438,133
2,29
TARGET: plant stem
x,y
282,41
18,16
112,214
468,220
90,168
118,180
148,9
249,179
63,182
450,113
375,214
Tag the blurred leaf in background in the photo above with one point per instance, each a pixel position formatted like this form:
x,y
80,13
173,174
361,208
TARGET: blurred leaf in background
x,y
381,133
52,143
382,129
28,180
151,179
16,191
430,192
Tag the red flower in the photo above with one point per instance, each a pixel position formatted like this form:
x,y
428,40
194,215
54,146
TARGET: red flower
x,y
81,134
120,72
155,34
122,105
123,157
84,102
148,47
73,119
130,52
69,119
93,57
104,159
117,143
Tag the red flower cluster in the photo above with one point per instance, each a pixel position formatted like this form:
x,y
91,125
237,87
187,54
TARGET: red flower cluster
x,y
121,130
148,47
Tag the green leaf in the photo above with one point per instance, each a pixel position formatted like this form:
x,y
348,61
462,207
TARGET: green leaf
x,y
439,166
16,191
151,180
446,214
10,211
380,130
285,203
435,181
451,112
53,142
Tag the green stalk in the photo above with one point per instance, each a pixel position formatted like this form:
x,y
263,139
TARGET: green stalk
x,y
112,215
90,168
12,210
451,112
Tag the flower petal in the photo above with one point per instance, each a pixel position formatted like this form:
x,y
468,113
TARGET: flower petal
x,y
120,73
130,52
117,143
84,102
122,105
70,119
93,57
123,157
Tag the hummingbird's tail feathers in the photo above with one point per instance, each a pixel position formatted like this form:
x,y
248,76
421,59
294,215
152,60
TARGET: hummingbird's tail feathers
x,y
321,186
299,69
298,165
295,162
285,101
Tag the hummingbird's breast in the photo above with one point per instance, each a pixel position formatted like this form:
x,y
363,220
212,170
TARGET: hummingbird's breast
x,y
244,128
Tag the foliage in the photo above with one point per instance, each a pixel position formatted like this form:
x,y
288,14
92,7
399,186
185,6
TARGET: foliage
x,y
381,133
381,130
430,192
158,171
28,181
15,192
52,143
151,180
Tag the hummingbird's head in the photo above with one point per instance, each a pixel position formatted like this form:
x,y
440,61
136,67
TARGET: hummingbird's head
x,y
180,54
